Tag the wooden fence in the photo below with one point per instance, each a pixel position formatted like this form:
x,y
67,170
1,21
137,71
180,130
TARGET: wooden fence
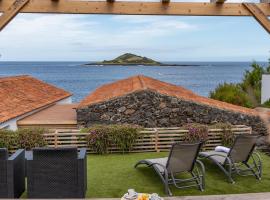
x,y
152,140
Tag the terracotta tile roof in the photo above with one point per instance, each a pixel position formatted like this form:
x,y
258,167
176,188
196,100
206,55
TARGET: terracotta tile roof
x,y
140,82
22,94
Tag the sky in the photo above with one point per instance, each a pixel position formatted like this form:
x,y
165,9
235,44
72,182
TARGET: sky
x,y
51,37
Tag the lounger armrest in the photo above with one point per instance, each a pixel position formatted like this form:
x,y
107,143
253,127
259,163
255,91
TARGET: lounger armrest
x,y
82,153
257,155
215,155
200,163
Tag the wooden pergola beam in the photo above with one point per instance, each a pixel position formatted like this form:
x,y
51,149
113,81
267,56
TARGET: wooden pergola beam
x,y
259,15
11,11
135,8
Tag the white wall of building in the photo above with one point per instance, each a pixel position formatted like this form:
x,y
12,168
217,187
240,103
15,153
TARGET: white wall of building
x,y
65,101
265,88
12,124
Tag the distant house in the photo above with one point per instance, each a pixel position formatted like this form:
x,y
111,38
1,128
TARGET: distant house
x,y
149,102
21,96
265,88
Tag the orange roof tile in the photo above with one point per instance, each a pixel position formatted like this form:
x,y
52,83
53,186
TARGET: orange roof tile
x,y
22,94
140,82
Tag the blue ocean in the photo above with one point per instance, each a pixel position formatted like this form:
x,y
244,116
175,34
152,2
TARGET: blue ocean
x,y
200,77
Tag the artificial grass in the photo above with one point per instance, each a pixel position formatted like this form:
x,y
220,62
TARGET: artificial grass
x,y
112,175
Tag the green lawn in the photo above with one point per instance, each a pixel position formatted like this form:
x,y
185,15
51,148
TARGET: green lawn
x,y
112,175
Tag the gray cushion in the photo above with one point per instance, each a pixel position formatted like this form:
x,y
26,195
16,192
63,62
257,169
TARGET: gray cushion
x,y
162,161
214,155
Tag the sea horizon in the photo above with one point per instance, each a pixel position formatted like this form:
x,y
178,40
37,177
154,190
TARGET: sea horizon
x,y
81,80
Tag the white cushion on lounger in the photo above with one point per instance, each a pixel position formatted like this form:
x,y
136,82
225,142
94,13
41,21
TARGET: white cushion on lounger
x,y
222,149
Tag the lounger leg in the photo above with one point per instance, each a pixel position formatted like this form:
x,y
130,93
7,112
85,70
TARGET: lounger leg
x,y
228,172
198,180
166,183
201,174
253,172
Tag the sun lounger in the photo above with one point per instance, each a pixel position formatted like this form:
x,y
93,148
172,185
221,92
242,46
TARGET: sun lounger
x,y
182,158
241,159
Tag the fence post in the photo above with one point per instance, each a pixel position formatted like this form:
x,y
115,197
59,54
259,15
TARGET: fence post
x,y
156,140
55,139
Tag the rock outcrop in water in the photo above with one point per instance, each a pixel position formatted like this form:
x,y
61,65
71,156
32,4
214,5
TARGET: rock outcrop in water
x,y
132,59
128,59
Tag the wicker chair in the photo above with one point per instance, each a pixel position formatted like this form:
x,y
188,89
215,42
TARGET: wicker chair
x,y
12,174
241,159
182,158
57,173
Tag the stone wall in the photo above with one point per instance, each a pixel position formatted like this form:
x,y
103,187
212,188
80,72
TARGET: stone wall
x,y
151,109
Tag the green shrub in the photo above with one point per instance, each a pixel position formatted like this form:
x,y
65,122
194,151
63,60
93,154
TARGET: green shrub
x,y
8,139
30,138
22,138
98,139
247,93
267,104
196,133
231,93
102,137
124,136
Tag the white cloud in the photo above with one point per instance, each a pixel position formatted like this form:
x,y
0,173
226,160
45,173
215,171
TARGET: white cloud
x,y
152,26
44,37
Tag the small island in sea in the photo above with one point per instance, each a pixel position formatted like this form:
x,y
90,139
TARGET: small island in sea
x,y
132,59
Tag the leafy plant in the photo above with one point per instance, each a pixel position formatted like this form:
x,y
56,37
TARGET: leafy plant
x,y
124,136
102,137
267,104
246,93
8,139
231,93
22,138
98,139
227,136
196,133
30,138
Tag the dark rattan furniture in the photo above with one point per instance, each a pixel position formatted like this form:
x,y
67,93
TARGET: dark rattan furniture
x,y
182,158
241,158
57,173
12,174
